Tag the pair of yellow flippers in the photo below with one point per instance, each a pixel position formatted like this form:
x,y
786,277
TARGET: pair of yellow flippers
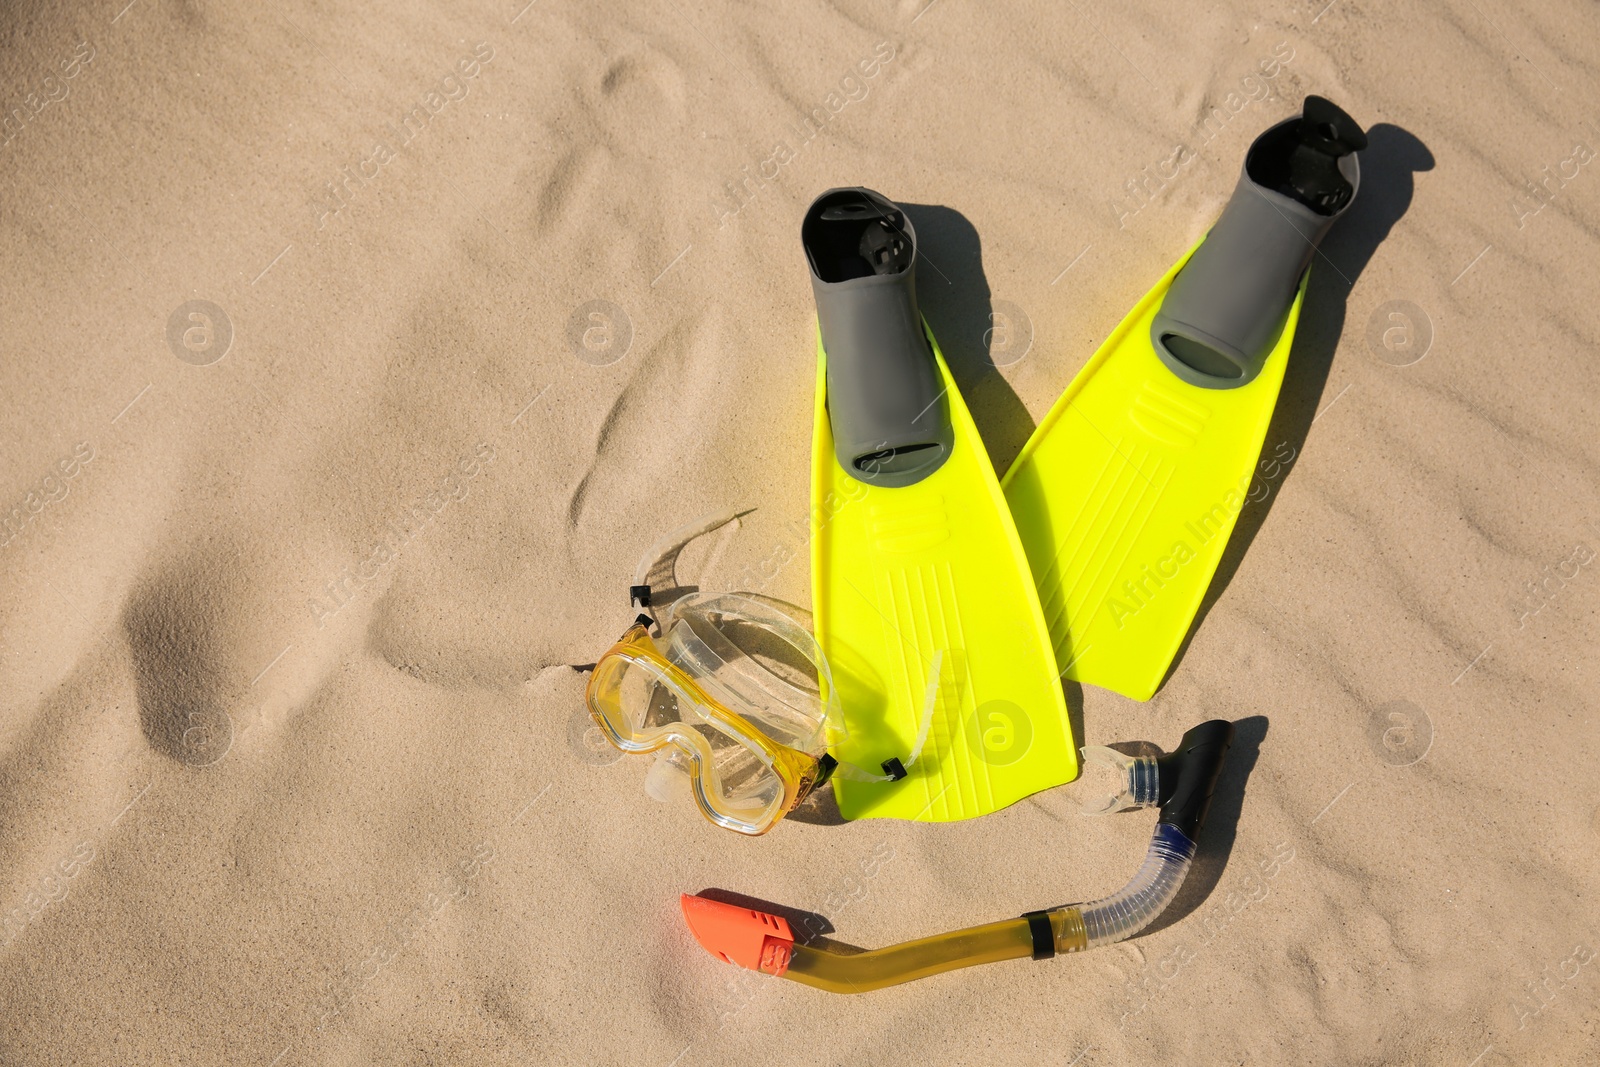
x,y
952,604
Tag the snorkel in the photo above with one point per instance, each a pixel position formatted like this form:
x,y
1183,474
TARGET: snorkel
x,y
1180,783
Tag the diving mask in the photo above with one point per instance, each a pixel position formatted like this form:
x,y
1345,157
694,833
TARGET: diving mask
x,y
734,691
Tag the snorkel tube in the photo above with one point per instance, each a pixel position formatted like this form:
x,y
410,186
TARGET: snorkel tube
x,y
1181,783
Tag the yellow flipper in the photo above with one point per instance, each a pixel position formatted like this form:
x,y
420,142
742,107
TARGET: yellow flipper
x,y
1125,497
930,575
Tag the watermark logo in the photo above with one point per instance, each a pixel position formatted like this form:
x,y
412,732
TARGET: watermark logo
x,y
1399,333
1541,992
19,112
853,87
600,333
1144,583
51,488
1537,194
1540,592
1010,334
395,139
51,889
588,742
1000,732
199,332
408,524
206,738
1399,733
1142,189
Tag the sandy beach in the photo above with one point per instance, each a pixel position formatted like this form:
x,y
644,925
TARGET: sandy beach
x,y
353,357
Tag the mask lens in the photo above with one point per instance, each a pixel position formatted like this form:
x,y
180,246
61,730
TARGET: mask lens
x,y
743,787
643,705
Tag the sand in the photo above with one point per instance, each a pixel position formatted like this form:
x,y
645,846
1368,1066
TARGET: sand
x,y
353,358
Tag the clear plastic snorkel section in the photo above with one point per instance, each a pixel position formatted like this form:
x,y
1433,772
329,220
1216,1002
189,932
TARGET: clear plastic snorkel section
x,y
1180,784
1112,781
1133,782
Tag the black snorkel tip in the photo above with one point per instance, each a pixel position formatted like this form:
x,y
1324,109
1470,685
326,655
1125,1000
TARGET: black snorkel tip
x,y
1188,775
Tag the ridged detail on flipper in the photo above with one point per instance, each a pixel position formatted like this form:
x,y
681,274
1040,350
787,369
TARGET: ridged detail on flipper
x,y
1095,546
910,529
1167,417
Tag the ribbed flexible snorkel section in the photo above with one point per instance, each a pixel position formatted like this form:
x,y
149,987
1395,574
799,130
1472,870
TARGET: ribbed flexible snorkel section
x,y
1134,906
1181,782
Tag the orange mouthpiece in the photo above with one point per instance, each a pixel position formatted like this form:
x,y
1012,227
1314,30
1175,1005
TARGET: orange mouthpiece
x,y
749,938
